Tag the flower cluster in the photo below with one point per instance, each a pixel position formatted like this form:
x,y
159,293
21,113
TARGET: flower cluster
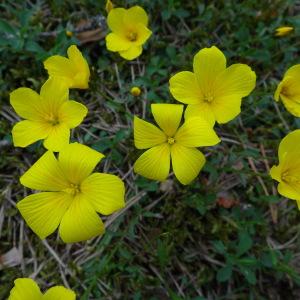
x,y
70,195
27,289
287,173
213,94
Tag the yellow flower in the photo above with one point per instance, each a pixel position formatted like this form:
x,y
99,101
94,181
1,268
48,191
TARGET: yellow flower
x,y
135,91
74,194
129,31
282,31
109,6
48,116
288,90
27,289
73,70
171,143
213,91
287,173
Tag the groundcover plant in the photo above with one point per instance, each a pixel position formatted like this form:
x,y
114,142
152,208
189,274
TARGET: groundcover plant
x,y
149,150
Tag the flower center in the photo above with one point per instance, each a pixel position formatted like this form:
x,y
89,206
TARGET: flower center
x,y
284,91
52,119
171,140
132,36
74,189
208,97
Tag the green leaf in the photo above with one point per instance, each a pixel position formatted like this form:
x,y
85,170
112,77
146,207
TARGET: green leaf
x,y
224,274
34,47
7,28
248,274
219,247
245,242
247,261
162,253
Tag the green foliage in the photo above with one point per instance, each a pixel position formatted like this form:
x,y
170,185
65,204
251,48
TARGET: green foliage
x,y
174,241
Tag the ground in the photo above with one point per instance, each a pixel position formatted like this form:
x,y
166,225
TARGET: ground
x,y
229,235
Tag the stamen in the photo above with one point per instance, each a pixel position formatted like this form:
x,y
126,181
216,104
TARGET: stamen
x,y
74,189
171,140
208,97
132,36
52,119
288,178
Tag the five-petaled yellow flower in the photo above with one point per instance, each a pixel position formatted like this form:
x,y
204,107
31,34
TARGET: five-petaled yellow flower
x,y
48,116
74,195
282,31
287,173
212,90
74,71
129,31
172,142
27,289
288,90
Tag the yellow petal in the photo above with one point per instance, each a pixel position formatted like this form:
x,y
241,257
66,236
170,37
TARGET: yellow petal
x,y
167,116
25,289
202,110
132,53
292,106
78,161
291,191
284,30
208,64
237,80
58,138
135,15
59,293
116,42
289,88
26,132
81,76
80,222
279,89
54,92
45,175
26,103
59,66
143,34
186,163
115,20
44,211
226,108
146,135
293,71
154,163
105,192
72,113
289,144
108,6
196,132
275,172
184,88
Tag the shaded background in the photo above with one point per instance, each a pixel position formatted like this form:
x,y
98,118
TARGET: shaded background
x,y
229,235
